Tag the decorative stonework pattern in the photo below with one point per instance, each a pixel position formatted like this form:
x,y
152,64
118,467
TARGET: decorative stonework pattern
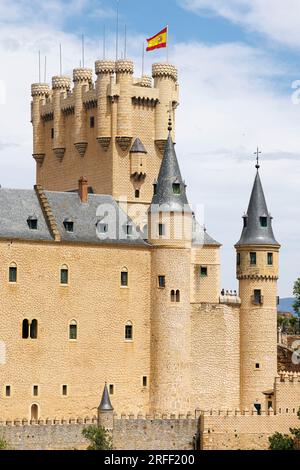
x,y
82,75
40,89
124,66
165,70
61,83
105,67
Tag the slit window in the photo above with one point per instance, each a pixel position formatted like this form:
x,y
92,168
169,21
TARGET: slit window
x,y
103,228
238,259
155,188
92,122
245,219
128,230
129,332
52,133
65,390
161,230
145,381
13,273
64,275
111,389
137,193
73,330
253,258
35,390
7,391
263,221
124,278
34,329
270,259
25,329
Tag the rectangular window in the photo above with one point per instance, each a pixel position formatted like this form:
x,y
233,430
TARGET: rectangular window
x,y
270,259
92,122
124,278
263,221
253,258
145,381
257,366
176,188
137,193
7,391
238,259
35,390
161,230
65,390
12,274
111,389
52,133
128,332
32,223
128,230
203,271
64,276
73,331
257,297
162,282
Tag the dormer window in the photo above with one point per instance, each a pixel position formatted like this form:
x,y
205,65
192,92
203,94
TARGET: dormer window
x,y
263,221
128,230
69,225
154,188
32,222
176,188
245,218
103,228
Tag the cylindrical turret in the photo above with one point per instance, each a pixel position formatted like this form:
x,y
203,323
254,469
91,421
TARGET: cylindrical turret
x,y
82,80
165,80
124,76
39,93
104,70
257,272
60,87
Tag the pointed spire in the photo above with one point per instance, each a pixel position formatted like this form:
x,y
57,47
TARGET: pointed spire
x,y
138,147
170,189
105,404
258,221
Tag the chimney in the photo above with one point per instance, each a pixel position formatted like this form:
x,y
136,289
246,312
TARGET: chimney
x,y
83,189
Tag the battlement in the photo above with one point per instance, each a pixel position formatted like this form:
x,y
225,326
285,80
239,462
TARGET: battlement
x,y
164,70
285,376
61,83
82,75
40,89
17,422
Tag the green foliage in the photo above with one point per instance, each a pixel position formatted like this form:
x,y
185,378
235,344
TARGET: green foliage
x,y
296,292
98,437
281,442
3,444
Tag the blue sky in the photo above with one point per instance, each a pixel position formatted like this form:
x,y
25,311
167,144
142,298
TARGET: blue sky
x,y
237,61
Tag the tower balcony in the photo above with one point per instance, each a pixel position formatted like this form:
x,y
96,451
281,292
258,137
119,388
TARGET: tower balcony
x,y
257,299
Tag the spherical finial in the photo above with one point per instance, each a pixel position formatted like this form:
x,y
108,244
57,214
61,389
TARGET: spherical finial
x,y
170,126
257,153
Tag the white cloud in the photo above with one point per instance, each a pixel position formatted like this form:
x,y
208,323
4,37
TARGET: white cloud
x,y
277,19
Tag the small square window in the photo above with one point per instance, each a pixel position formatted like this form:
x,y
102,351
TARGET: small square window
x,y
257,366
69,225
253,258
263,221
270,259
32,223
128,332
145,381
162,282
203,271
92,122
7,391
111,389
176,188
161,230
35,390
13,274
65,390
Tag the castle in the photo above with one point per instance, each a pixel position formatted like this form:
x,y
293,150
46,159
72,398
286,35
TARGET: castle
x,y
107,277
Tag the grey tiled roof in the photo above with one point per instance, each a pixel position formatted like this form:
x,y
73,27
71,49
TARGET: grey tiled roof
x,y
165,200
16,206
138,147
105,404
201,237
254,233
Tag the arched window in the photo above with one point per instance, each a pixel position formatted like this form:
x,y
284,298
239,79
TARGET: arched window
x,y
73,330
129,331
34,412
64,274
124,277
34,329
173,296
178,296
25,329
13,272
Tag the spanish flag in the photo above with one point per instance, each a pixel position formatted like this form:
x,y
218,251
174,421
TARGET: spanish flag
x,y
158,41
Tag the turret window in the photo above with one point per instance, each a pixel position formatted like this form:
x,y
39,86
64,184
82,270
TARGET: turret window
x,y
176,188
245,219
32,222
137,193
92,122
69,225
270,259
238,259
64,275
253,258
129,331
263,221
13,273
161,282
29,330
203,271
175,296
52,133
161,230
257,298
155,188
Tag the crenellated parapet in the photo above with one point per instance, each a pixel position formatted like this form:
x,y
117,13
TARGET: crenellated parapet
x,y
82,75
39,93
40,89
161,70
103,67
61,86
124,66
61,83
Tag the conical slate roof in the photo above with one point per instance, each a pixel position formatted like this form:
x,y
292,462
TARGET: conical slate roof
x,y
138,146
258,221
168,198
105,404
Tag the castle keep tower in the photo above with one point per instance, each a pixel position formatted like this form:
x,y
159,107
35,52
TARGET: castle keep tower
x,y
257,272
170,232
91,129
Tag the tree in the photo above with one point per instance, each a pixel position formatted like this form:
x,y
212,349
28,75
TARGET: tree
x,y
296,292
98,437
280,441
3,444
293,324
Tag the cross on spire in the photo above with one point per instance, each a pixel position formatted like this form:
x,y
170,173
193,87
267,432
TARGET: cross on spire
x,y
257,153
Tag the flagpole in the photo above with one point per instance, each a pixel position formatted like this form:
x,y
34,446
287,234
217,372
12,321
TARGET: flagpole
x,y
167,44
104,43
125,40
117,32
82,50
143,59
39,66
60,60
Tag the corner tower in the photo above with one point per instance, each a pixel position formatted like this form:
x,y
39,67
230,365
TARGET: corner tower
x,y
257,272
170,233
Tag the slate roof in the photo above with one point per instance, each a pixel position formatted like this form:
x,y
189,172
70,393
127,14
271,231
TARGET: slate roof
x,y
254,233
138,147
18,205
105,404
201,237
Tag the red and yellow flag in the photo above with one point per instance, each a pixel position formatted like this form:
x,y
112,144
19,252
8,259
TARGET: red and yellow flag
x,y
158,41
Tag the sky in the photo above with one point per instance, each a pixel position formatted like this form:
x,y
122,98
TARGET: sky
x,y
239,89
